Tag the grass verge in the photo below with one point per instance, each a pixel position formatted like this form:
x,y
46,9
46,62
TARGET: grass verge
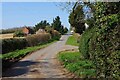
x,y
74,63
72,40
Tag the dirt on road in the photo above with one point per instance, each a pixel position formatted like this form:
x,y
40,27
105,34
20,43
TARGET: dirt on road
x,y
42,63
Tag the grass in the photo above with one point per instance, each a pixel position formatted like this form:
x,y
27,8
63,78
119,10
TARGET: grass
x,y
72,40
74,63
20,53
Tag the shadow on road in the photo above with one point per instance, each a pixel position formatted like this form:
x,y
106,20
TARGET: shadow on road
x,y
19,68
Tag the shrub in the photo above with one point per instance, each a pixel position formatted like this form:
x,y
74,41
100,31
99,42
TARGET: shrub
x,y
55,35
38,39
104,47
18,34
9,45
84,42
101,45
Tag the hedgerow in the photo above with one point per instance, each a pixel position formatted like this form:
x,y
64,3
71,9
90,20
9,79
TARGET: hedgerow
x,y
12,44
101,43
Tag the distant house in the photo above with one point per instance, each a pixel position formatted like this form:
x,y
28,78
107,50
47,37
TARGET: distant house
x,y
27,30
40,31
86,25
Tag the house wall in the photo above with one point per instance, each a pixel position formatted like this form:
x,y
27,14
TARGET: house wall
x,y
26,31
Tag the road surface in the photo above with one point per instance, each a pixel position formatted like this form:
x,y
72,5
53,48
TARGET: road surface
x,y
42,63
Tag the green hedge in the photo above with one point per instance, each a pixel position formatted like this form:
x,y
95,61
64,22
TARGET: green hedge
x,y
12,44
104,47
84,42
101,44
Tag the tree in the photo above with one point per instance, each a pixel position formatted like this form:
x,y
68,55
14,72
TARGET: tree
x,y
65,30
41,25
57,25
76,19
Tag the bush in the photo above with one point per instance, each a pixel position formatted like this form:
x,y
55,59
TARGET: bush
x,y
101,45
104,47
9,45
38,39
84,42
18,34
55,35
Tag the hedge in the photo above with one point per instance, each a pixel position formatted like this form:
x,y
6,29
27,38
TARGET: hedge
x,y
36,39
55,35
12,44
101,44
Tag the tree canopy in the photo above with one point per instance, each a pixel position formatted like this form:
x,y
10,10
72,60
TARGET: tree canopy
x,y
41,25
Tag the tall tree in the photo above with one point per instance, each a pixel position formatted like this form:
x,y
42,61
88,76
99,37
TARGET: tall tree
x,y
41,25
56,23
76,19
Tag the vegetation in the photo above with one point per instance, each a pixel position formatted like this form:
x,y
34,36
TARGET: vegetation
x,y
65,30
41,25
57,25
36,39
12,30
18,33
72,40
55,34
12,44
74,62
11,57
100,43
76,19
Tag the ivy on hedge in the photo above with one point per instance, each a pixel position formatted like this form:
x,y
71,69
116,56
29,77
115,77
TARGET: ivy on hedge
x,y
101,43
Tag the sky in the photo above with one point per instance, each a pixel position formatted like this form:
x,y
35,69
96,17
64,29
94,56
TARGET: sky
x,y
19,14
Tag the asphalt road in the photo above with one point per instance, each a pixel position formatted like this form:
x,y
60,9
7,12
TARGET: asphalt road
x,y
42,63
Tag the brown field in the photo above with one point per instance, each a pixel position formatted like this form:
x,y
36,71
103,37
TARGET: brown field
x,y
6,36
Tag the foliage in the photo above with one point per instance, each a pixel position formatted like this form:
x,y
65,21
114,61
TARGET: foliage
x,y
12,30
48,29
36,39
31,30
12,44
74,62
106,48
84,42
76,19
100,43
18,34
57,24
55,35
41,25
11,57
9,45
72,40
65,30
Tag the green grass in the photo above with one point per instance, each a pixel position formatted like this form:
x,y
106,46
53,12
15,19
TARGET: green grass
x,y
20,53
72,40
74,63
